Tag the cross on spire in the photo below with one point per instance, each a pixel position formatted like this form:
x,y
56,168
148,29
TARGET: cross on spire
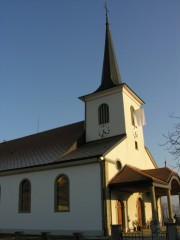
x,y
107,10
110,72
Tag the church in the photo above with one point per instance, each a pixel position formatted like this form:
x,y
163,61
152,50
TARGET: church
x,y
89,175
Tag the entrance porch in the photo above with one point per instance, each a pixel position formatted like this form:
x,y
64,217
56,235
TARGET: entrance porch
x,y
135,197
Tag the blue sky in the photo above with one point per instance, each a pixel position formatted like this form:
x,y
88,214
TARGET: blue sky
x,y
51,52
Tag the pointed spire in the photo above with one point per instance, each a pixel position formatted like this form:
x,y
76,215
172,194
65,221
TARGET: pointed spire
x,y
106,9
110,72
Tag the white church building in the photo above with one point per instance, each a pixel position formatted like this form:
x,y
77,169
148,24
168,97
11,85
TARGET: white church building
x,y
89,175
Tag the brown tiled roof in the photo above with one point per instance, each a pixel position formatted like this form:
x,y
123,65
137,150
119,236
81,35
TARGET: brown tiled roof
x,y
54,146
130,174
163,174
93,149
132,179
39,149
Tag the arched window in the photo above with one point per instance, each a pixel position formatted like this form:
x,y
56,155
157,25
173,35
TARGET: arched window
x,y
25,196
118,165
120,213
141,212
132,115
62,194
103,114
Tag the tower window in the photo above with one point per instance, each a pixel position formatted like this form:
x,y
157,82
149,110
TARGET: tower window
x,y
118,165
103,114
136,145
132,115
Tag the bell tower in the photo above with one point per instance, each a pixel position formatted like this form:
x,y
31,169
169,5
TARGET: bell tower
x,y
106,108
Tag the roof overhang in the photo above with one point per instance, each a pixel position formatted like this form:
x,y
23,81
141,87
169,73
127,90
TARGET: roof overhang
x,y
112,90
131,180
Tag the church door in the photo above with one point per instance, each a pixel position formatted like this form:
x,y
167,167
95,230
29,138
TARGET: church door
x,y
120,214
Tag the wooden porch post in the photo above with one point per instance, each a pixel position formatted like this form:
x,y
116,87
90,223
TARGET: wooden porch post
x,y
125,217
153,203
170,205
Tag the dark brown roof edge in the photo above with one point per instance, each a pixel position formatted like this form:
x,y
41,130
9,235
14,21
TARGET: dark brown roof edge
x,y
39,133
139,171
49,164
162,168
120,85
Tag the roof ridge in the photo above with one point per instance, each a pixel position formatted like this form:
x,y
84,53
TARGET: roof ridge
x,y
141,171
138,170
39,133
42,148
126,165
169,169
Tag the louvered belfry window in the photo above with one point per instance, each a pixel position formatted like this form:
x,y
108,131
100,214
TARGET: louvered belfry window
x,y
25,196
103,114
132,115
62,194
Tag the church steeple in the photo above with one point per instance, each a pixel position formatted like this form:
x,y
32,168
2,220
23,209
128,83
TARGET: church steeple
x,y
110,72
108,108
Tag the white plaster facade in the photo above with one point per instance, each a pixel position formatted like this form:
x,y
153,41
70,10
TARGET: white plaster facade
x,y
124,151
85,201
93,205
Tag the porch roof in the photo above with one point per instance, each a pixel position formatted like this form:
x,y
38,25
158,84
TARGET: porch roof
x,y
132,179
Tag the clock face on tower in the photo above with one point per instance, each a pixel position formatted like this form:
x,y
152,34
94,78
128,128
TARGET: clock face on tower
x,y
135,134
103,130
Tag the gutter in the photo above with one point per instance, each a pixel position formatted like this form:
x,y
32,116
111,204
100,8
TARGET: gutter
x,y
103,193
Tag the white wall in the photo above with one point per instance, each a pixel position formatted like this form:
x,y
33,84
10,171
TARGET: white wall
x,y
116,113
126,153
85,201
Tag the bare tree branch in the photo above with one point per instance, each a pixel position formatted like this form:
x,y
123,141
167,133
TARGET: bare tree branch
x,y
172,138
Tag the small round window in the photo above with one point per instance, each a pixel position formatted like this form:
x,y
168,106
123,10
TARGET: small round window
x,y
118,165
